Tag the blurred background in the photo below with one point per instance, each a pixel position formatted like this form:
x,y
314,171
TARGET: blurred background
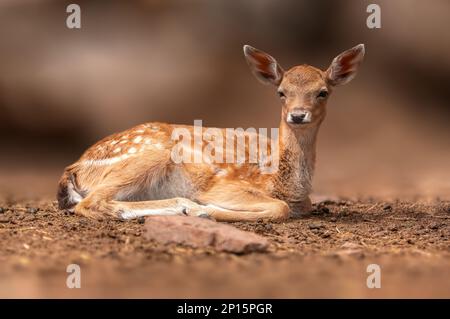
x,y
386,135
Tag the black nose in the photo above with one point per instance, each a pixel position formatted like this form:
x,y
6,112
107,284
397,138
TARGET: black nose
x,y
298,118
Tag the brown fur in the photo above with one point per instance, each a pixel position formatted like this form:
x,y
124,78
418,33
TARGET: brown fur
x,y
133,172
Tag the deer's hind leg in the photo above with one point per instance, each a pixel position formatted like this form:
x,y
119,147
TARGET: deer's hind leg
x,y
101,203
121,190
109,199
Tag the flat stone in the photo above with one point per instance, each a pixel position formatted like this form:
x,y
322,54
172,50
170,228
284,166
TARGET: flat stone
x,y
200,233
315,226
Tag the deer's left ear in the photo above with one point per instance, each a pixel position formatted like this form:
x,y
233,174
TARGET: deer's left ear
x,y
344,67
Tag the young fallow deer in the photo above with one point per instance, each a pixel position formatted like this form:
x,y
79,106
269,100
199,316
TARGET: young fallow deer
x,y
132,174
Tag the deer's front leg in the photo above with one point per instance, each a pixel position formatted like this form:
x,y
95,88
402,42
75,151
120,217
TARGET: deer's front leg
x,y
230,202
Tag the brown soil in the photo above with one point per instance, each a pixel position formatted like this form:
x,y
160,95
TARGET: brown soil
x,y
323,254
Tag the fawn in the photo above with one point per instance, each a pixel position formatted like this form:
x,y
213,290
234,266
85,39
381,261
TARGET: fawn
x,y
132,174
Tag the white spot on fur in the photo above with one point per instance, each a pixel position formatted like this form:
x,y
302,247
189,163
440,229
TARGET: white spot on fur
x,y
138,139
117,150
123,141
106,161
148,141
102,162
222,172
114,142
132,150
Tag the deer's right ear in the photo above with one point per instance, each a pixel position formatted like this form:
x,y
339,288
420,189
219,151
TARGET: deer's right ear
x,y
263,66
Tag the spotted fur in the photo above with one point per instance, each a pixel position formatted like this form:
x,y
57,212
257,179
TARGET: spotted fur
x,y
132,173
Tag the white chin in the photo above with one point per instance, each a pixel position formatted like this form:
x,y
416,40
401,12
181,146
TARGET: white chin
x,y
298,124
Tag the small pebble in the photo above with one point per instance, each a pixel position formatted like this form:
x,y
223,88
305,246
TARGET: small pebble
x,y
344,213
32,210
315,226
29,218
326,234
83,223
4,219
434,226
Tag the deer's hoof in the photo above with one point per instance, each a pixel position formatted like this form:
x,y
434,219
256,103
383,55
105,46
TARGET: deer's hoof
x,y
206,216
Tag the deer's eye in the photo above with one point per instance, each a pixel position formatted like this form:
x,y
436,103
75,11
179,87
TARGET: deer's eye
x,y
322,94
281,94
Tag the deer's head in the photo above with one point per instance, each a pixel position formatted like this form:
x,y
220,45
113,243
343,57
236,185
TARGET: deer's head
x,y
304,89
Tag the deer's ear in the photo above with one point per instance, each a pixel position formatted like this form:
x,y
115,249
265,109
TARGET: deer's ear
x,y
263,66
344,67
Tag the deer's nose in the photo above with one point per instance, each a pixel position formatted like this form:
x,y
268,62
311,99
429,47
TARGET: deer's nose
x,y
299,117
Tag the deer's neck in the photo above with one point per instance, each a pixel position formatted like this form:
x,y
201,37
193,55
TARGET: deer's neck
x,y
293,180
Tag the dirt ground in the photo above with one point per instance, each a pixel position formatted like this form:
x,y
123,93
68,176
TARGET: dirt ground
x,y
394,213
382,179
323,254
